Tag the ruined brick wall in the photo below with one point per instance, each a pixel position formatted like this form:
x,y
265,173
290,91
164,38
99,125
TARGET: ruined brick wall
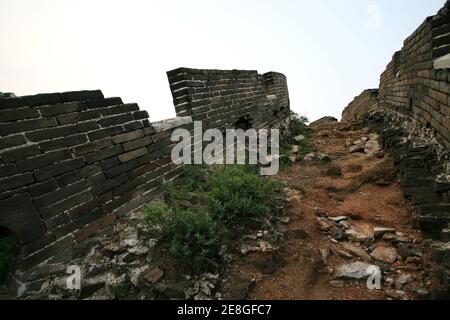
x,y
221,98
361,105
413,118
70,163
411,85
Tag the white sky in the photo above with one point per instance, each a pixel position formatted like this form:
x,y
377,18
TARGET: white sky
x,y
326,48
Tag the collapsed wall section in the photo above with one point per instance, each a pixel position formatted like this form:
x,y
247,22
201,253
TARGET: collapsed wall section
x,y
223,99
71,163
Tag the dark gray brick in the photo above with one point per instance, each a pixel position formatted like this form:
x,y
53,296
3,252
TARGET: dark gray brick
x,y
88,126
104,154
63,142
116,171
16,181
105,133
135,125
102,103
62,108
42,99
132,145
18,114
129,136
20,153
53,133
110,184
13,141
58,169
43,160
109,163
120,109
92,147
78,117
27,125
89,206
116,120
81,95
61,194
15,102
133,154
40,189
8,170
67,204
140,115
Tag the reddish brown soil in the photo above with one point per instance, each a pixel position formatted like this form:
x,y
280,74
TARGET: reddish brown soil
x,y
356,194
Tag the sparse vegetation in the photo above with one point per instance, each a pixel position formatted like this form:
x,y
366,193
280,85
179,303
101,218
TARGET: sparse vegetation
x,y
191,237
200,206
298,127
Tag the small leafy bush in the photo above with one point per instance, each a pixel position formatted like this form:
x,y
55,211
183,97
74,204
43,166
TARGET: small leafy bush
x,y
191,237
298,125
200,206
239,191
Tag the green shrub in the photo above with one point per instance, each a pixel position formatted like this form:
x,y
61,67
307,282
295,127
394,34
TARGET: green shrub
x,y
191,237
298,125
200,206
285,157
7,257
239,191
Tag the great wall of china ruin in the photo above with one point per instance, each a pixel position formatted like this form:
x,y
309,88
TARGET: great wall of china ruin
x,y
73,164
411,110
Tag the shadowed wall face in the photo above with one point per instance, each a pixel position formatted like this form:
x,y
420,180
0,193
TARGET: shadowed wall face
x,y
70,163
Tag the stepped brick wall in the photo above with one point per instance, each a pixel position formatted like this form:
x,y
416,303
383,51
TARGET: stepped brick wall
x,y
411,85
361,105
412,114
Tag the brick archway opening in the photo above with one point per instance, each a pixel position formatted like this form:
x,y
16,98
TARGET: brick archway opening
x,y
9,253
243,123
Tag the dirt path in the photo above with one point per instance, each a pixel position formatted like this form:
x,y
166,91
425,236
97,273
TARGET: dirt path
x,y
362,188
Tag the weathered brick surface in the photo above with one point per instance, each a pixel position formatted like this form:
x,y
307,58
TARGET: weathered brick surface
x,y
222,99
361,105
412,86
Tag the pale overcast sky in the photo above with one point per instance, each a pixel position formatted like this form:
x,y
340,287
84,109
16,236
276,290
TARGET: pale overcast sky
x,y
330,50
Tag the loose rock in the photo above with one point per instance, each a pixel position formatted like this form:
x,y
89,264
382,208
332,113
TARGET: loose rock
x,y
385,254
